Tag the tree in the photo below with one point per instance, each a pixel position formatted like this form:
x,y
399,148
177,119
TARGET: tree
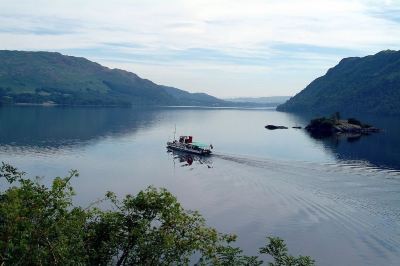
x,y
40,225
278,250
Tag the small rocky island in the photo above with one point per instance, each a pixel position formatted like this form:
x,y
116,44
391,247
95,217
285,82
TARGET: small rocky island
x,y
325,127
273,127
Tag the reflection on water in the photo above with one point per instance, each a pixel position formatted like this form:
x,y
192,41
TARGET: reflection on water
x,y
190,160
41,130
51,129
379,149
325,197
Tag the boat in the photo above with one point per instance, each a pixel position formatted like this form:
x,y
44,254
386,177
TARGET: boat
x,y
186,144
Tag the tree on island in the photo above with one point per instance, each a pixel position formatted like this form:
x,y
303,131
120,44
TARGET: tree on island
x,y
39,225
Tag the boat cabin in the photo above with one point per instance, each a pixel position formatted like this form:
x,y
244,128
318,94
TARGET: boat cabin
x,y
185,139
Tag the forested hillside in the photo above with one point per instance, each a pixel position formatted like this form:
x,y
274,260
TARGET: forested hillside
x,y
367,85
44,77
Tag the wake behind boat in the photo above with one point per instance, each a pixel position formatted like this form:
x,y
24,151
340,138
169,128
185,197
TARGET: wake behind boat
x,y
186,144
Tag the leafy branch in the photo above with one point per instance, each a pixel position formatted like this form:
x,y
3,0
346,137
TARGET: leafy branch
x,y
40,225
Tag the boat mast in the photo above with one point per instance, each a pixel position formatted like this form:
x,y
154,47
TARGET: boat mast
x,y
175,132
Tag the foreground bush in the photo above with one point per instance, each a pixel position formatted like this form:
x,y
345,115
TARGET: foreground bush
x,y
39,225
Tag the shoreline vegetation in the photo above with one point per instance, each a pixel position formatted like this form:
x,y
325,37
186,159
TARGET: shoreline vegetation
x,y
334,125
47,104
245,105
53,78
39,225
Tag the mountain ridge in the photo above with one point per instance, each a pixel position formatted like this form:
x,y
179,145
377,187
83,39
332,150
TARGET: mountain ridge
x,y
51,77
356,85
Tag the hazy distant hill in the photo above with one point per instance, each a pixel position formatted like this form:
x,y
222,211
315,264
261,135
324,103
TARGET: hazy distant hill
x,y
38,77
356,85
261,100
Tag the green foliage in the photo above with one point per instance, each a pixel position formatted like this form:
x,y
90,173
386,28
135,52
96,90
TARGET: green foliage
x,y
278,250
322,123
354,121
357,122
364,85
39,225
40,77
325,123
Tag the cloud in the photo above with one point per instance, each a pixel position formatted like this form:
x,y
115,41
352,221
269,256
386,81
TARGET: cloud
x,y
212,41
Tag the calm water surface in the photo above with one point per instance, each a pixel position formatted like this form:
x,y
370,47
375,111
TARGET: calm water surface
x,y
337,199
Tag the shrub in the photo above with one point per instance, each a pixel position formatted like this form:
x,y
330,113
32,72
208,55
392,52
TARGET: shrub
x,y
39,225
354,121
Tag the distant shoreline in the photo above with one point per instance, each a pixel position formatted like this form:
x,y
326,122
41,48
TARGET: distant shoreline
x,y
57,104
148,106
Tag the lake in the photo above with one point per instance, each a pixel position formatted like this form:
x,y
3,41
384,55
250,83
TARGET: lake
x,y
336,199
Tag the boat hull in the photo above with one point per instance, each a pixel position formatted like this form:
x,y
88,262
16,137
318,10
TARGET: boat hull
x,y
184,148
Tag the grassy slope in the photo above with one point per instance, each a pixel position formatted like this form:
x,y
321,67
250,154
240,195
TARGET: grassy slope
x,y
36,77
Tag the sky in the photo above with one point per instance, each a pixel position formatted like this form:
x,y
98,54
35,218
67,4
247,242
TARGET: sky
x,y
227,48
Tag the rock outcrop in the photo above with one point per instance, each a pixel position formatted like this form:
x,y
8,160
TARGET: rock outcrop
x,y
273,127
323,126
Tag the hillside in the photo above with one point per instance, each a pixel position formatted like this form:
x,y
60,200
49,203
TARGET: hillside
x,y
40,77
367,85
